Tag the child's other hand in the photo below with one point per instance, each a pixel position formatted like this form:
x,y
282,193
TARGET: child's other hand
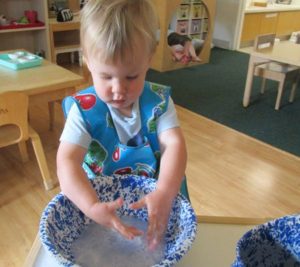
x,y
158,213
104,213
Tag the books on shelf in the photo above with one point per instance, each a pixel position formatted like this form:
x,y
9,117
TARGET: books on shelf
x,y
183,12
191,19
195,26
197,11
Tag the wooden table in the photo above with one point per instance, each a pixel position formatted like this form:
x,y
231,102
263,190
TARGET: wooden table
x,y
45,83
283,52
48,82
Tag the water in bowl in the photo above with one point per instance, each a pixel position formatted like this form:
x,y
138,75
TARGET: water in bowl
x,y
98,246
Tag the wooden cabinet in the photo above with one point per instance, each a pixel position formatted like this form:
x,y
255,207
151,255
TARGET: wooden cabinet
x,y
251,27
192,18
268,23
283,23
34,39
258,23
296,21
288,22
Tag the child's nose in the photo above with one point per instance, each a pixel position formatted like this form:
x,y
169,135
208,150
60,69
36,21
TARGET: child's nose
x,y
119,87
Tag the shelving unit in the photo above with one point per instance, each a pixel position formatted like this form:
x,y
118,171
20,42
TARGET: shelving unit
x,y
33,39
64,37
191,18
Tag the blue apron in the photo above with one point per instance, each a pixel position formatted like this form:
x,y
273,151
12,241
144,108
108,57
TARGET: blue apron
x,y
106,155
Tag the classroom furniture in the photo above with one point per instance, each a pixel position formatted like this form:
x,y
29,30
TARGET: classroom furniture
x,y
273,70
33,37
284,52
167,10
46,83
64,38
280,19
15,129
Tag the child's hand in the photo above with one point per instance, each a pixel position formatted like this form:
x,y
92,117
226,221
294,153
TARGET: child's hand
x,y
158,213
104,213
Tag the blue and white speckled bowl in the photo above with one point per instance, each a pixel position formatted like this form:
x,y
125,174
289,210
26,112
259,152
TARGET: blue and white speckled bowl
x,y
275,243
62,222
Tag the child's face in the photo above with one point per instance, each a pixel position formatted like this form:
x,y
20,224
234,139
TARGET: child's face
x,y
119,83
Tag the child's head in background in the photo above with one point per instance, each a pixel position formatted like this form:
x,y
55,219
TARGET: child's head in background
x,y
118,38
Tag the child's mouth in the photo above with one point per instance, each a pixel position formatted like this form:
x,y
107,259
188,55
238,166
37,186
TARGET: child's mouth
x,y
118,102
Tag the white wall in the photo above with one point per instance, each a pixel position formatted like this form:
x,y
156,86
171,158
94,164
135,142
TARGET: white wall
x,y
227,23
296,2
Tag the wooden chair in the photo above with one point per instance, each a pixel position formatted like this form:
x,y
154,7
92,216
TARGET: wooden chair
x,y
275,71
15,129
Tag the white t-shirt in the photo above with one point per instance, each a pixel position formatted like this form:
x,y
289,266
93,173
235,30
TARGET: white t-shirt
x,y
75,131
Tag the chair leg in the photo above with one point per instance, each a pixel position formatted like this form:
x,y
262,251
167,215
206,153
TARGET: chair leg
x,y
263,85
294,87
51,108
23,151
41,159
279,94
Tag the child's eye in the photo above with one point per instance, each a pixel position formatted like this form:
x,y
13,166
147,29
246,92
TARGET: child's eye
x,y
105,77
132,77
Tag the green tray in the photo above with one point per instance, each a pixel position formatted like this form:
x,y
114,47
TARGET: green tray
x,y
27,60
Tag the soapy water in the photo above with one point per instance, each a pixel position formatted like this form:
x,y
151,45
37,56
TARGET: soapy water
x,y
99,246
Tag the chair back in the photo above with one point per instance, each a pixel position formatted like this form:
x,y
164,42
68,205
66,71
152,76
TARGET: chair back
x,y
13,118
264,41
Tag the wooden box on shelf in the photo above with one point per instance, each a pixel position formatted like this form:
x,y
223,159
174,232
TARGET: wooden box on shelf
x,y
191,18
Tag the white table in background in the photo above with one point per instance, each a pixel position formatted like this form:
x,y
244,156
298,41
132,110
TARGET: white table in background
x,y
284,52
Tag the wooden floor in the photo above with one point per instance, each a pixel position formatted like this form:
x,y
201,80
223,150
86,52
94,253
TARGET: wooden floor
x,y
230,177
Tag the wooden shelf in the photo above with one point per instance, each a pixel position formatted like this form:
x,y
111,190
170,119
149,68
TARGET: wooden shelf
x,y
23,29
32,37
70,46
64,36
181,15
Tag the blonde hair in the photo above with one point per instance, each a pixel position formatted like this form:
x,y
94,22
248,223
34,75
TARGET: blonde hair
x,y
114,27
